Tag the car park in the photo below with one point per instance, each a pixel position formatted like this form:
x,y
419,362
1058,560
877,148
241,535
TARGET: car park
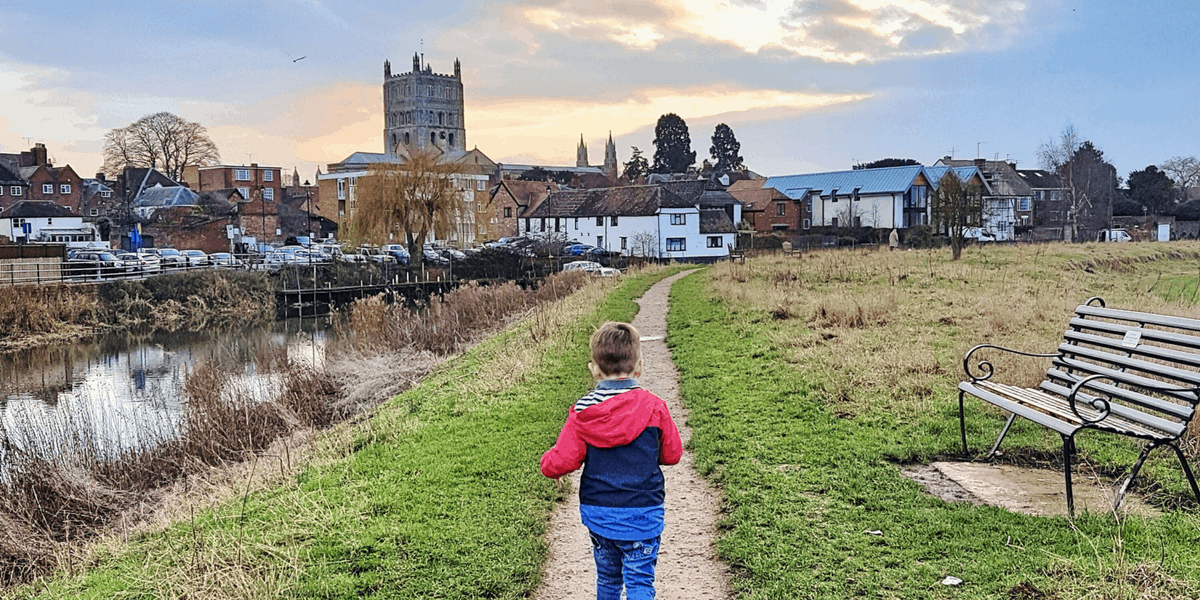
x,y
171,258
130,262
93,263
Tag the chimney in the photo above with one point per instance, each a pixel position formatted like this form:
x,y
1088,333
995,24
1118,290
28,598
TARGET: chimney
x,y
39,154
1013,165
981,163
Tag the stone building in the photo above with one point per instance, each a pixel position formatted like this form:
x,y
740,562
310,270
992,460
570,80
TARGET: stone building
x,y
423,108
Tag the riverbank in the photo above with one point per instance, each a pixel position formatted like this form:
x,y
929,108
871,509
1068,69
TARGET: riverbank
x,y
41,315
389,499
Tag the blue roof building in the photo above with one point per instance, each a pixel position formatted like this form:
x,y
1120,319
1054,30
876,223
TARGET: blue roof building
x,y
887,198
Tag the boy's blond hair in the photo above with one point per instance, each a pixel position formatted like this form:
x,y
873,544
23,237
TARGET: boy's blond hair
x,y
616,348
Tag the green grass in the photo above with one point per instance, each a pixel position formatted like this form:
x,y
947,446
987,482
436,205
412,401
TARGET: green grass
x,y
803,483
438,495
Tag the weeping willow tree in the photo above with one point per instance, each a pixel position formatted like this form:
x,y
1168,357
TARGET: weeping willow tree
x,y
415,198
955,207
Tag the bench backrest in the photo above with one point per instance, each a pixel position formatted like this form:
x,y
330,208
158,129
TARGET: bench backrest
x,y
1140,352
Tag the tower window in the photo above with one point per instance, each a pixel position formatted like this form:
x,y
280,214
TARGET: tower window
x,y
406,140
432,137
452,139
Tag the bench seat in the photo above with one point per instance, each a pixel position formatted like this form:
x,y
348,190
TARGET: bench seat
x,y
1123,372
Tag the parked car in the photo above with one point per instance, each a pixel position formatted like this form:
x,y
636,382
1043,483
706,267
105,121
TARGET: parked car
x,y
93,263
196,258
225,260
1113,235
293,255
590,267
130,262
171,258
148,261
578,249
398,251
374,254
433,258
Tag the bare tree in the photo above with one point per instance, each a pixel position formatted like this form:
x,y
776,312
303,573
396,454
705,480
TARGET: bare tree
x,y
955,207
1052,155
414,198
1185,172
162,141
644,244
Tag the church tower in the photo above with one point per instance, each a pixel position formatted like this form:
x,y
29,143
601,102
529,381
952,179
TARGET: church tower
x,y
422,108
581,159
610,158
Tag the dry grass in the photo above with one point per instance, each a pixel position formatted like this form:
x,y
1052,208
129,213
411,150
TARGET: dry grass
x,y
877,322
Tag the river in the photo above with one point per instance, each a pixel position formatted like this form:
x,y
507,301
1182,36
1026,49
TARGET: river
x,y
125,391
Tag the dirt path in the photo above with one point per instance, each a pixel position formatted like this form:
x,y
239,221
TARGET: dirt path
x,y
688,568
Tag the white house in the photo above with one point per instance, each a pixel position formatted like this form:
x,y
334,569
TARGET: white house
x,y
887,198
661,221
45,222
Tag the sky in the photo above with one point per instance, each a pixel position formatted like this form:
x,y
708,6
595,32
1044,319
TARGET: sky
x,y
806,85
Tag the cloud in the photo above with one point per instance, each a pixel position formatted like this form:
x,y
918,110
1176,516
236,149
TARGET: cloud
x,y
847,31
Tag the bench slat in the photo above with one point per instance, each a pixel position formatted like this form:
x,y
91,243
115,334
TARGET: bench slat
x,y
1152,425
1164,406
1166,337
1121,376
1058,407
1157,352
1139,317
1036,416
1190,377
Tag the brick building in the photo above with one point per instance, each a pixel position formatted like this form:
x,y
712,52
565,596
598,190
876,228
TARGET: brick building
x,y
249,180
768,209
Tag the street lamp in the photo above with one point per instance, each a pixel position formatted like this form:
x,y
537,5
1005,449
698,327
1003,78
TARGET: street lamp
x,y
308,210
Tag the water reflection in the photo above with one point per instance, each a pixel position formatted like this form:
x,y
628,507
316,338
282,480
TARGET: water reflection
x,y
124,391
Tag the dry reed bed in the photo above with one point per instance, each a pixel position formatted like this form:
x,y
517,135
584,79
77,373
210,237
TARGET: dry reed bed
x,y
62,485
877,322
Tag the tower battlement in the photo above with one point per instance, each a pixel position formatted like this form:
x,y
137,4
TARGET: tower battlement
x,y
423,108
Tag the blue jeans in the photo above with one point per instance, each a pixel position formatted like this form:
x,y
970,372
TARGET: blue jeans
x,y
620,562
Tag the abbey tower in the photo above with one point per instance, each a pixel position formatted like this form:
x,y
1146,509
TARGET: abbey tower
x,y
423,108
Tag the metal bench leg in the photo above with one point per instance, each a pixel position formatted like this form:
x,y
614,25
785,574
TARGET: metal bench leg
x,y
1068,448
1133,473
1187,471
1003,432
962,423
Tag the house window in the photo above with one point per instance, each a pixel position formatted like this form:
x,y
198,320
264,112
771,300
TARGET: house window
x,y
1023,204
599,241
808,205
599,221
268,193
614,220
64,188
1,191
678,219
47,188
779,227
18,224
15,190
676,244
241,174
106,194
268,175
624,243
508,214
808,223
49,222
834,221
576,223
480,185
245,192
95,212
341,189
714,241
780,209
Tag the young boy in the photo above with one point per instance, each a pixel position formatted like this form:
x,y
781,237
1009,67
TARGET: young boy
x,y
620,433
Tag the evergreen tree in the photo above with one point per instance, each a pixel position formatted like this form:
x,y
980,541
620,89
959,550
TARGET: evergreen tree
x,y
724,150
1150,189
637,167
886,162
672,145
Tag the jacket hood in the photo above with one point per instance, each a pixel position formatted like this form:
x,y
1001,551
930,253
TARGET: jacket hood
x,y
618,420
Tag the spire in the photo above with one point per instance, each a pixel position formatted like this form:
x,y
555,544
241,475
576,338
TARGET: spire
x,y
457,69
416,63
581,158
610,158
387,69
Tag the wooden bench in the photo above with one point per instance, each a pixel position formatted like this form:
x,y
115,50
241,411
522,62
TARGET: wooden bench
x,y
737,255
1129,373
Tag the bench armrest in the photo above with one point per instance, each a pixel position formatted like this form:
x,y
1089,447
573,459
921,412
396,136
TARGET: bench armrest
x,y
985,367
1102,405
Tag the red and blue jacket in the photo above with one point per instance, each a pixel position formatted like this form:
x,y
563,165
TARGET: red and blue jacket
x,y
620,441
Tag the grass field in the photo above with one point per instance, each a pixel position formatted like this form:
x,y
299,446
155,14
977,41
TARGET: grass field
x,y
812,380
436,495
